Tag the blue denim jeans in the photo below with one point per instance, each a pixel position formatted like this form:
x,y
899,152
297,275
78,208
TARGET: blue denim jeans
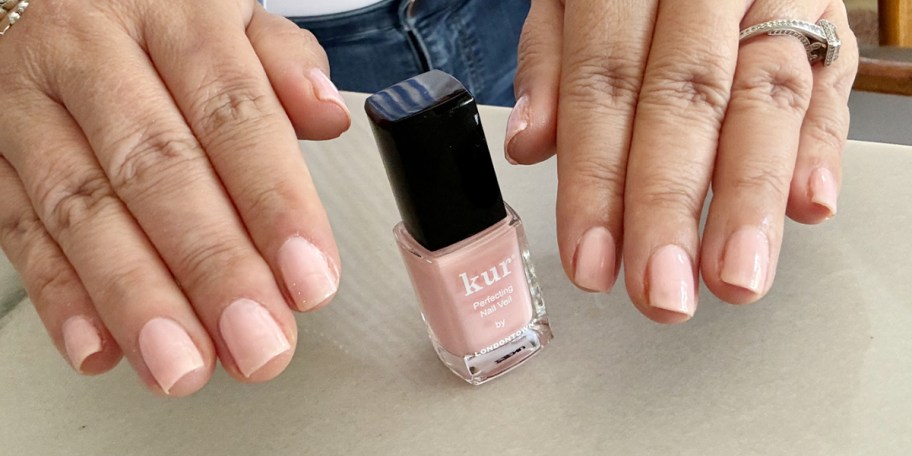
x,y
374,47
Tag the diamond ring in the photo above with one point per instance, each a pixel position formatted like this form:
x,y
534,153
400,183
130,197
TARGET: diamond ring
x,y
820,40
10,12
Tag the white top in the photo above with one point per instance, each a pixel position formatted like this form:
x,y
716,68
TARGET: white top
x,y
822,366
314,7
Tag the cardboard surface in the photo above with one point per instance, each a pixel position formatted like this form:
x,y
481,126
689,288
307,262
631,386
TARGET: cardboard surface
x,y
823,365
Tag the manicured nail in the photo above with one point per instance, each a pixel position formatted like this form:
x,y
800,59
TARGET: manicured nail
x,y
81,339
310,278
519,121
595,259
671,281
823,190
252,335
746,259
325,90
168,351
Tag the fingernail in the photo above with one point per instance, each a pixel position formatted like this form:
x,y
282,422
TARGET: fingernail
x,y
823,189
746,259
519,121
671,282
81,339
252,335
310,279
325,90
595,259
168,351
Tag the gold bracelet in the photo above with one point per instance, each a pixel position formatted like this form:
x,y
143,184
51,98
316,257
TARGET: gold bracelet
x,y
10,12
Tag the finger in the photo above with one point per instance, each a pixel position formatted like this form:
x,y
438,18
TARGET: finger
x,y
158,169
818,170
770,96
132,290
532,127
682,104
605,48
56,292
298,69
233,111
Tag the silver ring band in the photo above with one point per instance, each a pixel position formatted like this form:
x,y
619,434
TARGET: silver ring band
x,y
820,40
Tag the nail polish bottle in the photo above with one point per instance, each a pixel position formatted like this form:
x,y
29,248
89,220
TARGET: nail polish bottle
x,y
463,247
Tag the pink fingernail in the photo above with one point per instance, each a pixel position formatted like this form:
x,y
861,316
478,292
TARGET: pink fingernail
x,y
595,259
309,277
168,351
746,259
325,90
671,281
519,121
252,335
81,339
823,190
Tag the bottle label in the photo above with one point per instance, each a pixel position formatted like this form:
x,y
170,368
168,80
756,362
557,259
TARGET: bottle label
x,y
477,298
488,278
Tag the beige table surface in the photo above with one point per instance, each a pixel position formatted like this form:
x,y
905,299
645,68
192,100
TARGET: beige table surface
x,y
822,366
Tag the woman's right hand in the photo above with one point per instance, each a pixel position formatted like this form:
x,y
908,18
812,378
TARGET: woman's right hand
x,y
155,201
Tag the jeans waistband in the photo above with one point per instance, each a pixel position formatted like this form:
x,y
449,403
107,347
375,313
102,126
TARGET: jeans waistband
x,y
388,14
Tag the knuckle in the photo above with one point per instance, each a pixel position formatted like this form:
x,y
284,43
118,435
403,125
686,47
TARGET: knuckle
x,y
685,85
844,83
233,103
682,195
763,180
17,229
143,159
830,131
531,50
44,272
74,200
289,34
847,68
611,82
601,176
51,285
209,262
121,283
265,202
782,83
304,36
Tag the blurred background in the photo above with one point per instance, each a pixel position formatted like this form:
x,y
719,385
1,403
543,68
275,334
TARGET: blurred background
x,y
881,103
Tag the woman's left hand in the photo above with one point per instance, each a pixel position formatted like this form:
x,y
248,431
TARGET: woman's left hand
x,y
648,102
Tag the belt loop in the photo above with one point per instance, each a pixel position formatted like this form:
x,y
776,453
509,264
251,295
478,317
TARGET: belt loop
x,y
407,17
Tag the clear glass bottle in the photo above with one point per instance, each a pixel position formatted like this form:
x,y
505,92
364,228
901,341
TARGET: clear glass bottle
x,y
463,247
480,299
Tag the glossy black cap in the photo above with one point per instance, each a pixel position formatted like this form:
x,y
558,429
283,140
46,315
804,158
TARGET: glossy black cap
x,y
436,158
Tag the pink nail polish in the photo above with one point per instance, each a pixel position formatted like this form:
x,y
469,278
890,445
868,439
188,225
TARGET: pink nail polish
x,y
517,123
325,90
671,281
253,337
309,276
746,259
594,260
168,351
823,189
464,249
81,340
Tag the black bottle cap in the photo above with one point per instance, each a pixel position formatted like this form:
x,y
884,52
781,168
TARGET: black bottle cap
x,y
436,158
